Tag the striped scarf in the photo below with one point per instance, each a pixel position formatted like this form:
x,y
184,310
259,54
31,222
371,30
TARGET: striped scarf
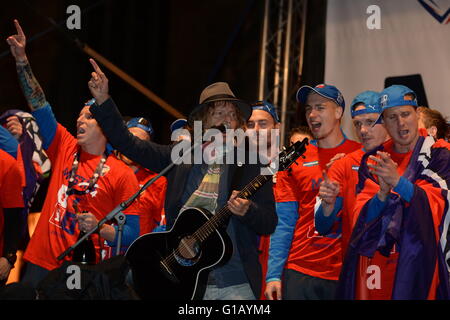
x,y
207,192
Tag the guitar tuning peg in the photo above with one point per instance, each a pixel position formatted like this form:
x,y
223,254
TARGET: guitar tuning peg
x,y
303,156
296,162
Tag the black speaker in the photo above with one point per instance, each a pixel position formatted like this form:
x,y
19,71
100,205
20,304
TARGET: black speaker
x,y
103,281
414,82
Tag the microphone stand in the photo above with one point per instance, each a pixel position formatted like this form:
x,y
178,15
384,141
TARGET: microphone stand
x,y
117,213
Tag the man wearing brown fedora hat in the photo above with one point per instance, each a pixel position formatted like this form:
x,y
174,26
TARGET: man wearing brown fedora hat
x,y
219,93
208,186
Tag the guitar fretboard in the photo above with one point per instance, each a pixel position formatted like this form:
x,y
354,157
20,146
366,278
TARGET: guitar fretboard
x,y
220,216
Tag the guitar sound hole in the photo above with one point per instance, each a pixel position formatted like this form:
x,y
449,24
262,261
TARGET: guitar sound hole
x,y
188,251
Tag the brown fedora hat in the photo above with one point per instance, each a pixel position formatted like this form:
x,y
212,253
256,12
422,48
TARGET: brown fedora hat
x,y
220,91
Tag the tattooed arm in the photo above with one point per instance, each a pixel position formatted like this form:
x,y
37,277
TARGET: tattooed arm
x,y
30,86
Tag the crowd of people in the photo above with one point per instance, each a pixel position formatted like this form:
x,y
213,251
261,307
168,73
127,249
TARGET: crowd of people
x,y
357,220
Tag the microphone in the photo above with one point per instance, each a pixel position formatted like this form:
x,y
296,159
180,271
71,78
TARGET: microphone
x,y
222,127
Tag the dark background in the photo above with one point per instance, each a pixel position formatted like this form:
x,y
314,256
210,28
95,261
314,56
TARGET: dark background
x,y
173,47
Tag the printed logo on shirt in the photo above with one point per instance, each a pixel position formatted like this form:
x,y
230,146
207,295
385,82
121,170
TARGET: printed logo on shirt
x,y
315,185
60,207
83,183
69,222
336,230
61,218
311,163
76,178
356,168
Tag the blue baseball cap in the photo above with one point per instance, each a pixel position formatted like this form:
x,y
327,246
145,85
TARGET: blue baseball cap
x,y
370,100
142,123
324,90
268,107
177,124
394,96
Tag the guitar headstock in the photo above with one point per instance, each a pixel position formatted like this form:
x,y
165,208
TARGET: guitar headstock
x,y
289,155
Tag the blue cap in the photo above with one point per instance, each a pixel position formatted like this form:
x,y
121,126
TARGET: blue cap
x,y
394,96
142,123
324,90
268,107
370,99
177,124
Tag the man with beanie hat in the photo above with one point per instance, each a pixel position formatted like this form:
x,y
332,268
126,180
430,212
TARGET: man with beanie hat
x,y
399,246
302,263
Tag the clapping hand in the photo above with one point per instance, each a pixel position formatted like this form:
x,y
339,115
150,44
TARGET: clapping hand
x,y
328,190
386,170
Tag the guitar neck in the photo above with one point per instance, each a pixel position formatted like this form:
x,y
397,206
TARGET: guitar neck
x,y
220,216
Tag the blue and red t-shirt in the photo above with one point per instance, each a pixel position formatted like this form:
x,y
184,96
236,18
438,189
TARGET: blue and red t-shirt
x,y
296,244
57,228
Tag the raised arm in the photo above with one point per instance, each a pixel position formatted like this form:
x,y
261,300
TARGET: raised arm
x,y
30,86
146,153
32,91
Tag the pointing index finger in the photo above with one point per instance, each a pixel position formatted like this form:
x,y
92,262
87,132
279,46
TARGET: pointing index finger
x,y
18,28
95,66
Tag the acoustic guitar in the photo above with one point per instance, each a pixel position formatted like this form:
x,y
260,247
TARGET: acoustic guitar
x,y
174,265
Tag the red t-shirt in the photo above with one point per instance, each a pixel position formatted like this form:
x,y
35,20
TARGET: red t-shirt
x,y
57,228
151,200
345,172
10,188
310,253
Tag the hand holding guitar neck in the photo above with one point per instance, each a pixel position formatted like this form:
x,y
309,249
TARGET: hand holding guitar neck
x,y
177,262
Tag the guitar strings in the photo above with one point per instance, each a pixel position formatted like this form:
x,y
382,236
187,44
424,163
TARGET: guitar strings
x,y
204,231
211,225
